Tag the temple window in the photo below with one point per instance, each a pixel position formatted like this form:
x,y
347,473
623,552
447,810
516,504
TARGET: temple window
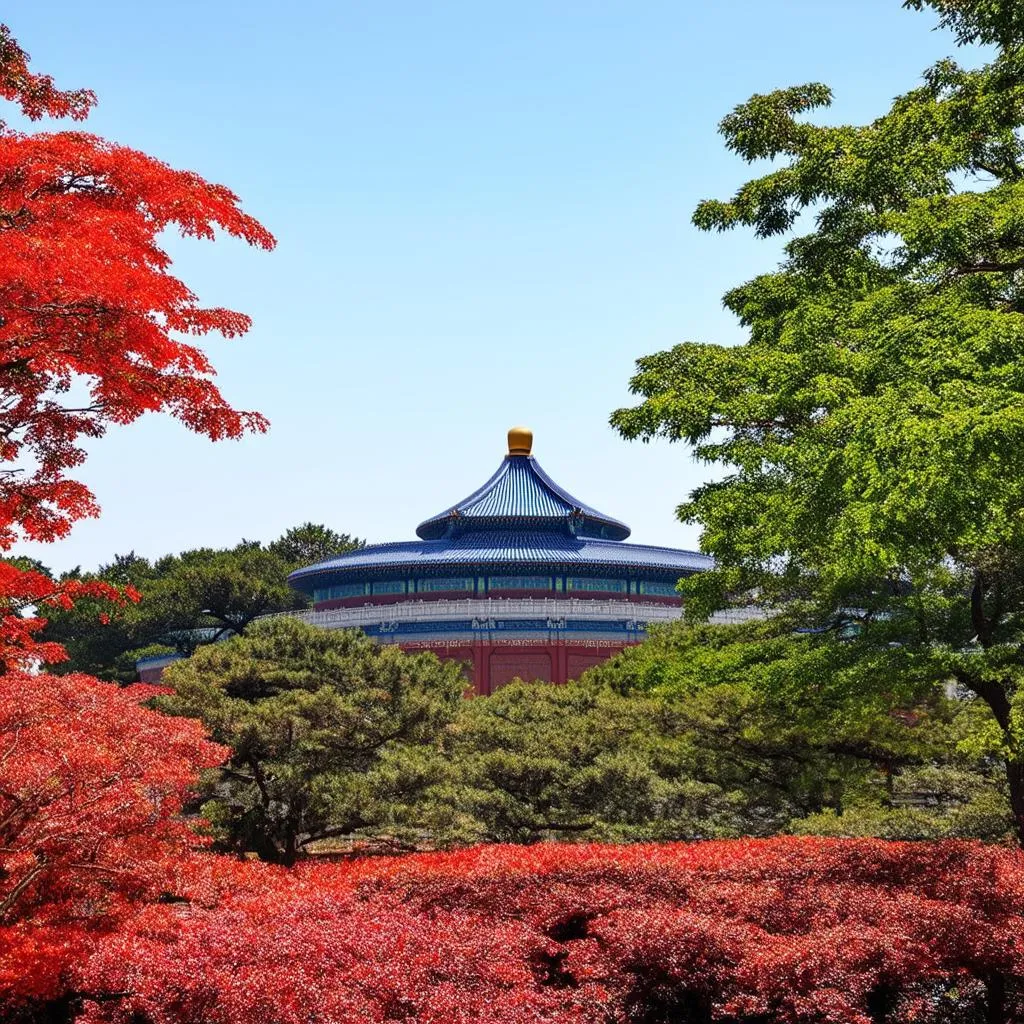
x,y
519,583
340,591
445,584
389,587
658,589
607,586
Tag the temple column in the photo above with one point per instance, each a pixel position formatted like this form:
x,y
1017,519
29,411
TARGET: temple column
x,y
561,662
481,668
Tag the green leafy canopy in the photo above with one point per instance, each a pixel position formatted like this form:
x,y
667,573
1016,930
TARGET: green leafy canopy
x,y
327,729
871,428
188,600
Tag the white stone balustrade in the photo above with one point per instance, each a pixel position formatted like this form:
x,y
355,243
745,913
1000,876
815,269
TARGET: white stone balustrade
x,y
505,609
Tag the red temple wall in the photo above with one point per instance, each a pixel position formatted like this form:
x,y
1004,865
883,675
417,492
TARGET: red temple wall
x,y
579,663
491,666
504,666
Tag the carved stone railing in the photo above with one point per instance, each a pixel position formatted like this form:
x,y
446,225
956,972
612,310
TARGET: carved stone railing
x,y
511,608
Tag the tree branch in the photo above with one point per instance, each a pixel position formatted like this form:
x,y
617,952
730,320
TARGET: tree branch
x,y
12,897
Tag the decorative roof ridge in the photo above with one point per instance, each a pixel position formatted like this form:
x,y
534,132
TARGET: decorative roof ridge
x,y
389,544
520,489
650,547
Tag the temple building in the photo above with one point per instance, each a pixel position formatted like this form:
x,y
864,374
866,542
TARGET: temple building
x,y
519,579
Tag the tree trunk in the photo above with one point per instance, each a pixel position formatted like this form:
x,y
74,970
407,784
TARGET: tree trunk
x,y
292,847
995,1010
1015,782
998,700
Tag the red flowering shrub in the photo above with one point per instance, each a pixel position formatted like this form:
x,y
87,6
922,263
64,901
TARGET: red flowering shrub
x,y
858,932
91,785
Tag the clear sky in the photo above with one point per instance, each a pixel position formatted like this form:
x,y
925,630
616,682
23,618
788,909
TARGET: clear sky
x,y
483,219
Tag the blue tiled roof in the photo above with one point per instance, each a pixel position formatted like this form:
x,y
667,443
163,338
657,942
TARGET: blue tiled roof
x,y
521,494
492,548
519,522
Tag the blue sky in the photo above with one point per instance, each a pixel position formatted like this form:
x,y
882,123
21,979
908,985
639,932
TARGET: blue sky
x,y
483,219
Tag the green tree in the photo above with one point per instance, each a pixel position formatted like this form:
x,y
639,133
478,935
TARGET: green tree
x,y
767,715
201,596
871,428
330,733
187,600
534,762
709,731
311,543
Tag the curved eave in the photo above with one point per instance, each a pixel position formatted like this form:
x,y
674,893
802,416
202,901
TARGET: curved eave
x,y
520,492
514,551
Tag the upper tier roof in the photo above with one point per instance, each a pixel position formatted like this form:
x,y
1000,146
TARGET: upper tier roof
x,y
519,521
520,495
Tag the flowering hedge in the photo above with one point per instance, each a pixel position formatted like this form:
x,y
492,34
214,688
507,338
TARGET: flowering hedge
x,y
741,931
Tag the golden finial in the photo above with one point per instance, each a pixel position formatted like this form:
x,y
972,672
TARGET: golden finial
x,y
520,441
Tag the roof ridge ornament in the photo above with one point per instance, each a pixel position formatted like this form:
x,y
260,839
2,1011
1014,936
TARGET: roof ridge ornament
x,y
520,441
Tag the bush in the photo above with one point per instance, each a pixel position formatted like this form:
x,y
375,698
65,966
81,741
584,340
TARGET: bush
x,y
781,931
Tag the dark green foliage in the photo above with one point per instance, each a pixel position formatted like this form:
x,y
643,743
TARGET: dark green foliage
x,y
328,730
786,721
708,731
535,761
201,596
188,600
311,543
701,732
872,427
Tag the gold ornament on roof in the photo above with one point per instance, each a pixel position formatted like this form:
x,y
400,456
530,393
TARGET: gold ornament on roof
x,y
520,441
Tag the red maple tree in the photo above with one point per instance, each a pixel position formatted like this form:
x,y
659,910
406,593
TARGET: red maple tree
x,y
91,318
91,329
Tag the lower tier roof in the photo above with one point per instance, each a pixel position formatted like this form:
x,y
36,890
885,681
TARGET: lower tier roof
x,y
499,549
